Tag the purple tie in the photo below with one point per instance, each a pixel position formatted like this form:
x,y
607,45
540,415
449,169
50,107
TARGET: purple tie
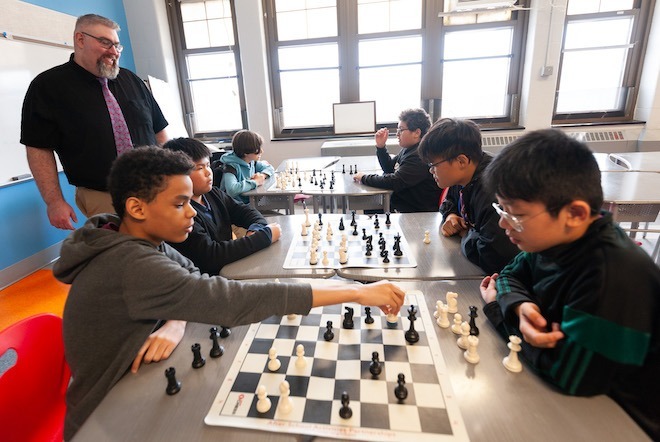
x,y
119,127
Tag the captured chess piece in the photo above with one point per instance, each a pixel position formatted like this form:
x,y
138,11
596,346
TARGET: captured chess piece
x,y
173,386
224,332
427,237
411,335
400,391
329,335
348,318
374,368
511,362
368,318
198,359
474,330
345,411
216,350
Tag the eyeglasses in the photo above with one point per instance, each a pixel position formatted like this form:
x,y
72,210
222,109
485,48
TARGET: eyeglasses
x,y
104,42
512,220
401,129
437,163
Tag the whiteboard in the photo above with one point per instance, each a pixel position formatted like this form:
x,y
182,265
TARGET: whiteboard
x,y
20,62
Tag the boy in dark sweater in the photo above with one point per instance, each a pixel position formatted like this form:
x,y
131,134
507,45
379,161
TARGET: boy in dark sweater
x,y
125,279
452,149
405,174
210,245
584,297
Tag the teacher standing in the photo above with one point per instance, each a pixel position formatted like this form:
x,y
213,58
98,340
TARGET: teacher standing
x,y
89,111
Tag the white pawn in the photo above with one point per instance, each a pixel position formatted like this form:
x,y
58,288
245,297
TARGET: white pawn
x,y
328,236
511,362
343,256
452,303
307,223
263,404
325,261
465,332
304,230
427,237
291,316
470,354
329,230
301,361
274,364
438,304
284,406
456,326
313,258
443,320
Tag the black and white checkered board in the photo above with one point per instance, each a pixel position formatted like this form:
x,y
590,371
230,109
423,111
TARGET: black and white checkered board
x,y
430,412
298,256
305,182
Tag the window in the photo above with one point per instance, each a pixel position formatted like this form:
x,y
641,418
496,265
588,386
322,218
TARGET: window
x,y
399,53
600,64
209,66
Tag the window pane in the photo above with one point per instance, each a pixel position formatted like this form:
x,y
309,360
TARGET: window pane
x,y
478,43
590,6
388,15
221,32
475,88
217,105
218,9
318,20
305,57
598,33
196,34
193,11
392,95
390,51
304,102
591,81
211,65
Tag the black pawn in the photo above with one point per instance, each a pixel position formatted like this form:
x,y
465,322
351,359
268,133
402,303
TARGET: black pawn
x,y
173,386
364,234
386,259
376,223
341,224
400,391
411,335
348,318
368,319
355,168
355,232
387,219
329,334
224,332
375,368
474,330
353,222
345,411
216,350
320,220
343,168
198,359
332,185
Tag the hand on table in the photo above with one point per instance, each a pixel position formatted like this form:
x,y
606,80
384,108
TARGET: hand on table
x,y
259,178
276,231
358,177
453,224
160,344
533,327
487,288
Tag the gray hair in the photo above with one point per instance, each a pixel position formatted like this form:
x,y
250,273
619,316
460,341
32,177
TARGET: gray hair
x,y
93,19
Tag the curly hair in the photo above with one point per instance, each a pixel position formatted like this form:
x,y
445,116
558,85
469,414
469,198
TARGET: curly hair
x,y
143,173
416,119
450,137
195,149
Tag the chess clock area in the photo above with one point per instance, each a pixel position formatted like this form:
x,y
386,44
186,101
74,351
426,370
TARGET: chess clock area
x,y
484,400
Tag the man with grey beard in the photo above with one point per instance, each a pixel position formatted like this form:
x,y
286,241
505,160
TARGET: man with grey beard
x,y
69,110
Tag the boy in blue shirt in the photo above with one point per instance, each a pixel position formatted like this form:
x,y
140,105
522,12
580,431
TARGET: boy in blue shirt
x,y
584,297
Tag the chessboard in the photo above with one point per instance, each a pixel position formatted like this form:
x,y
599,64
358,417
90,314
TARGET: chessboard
x,y
299,255
430,411
315,181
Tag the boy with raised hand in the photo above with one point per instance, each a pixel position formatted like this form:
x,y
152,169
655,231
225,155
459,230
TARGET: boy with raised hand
x,y
584,297
125,279
452,148
210,245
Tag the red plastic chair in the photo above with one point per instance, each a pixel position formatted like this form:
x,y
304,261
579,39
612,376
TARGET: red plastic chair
x,y
33,380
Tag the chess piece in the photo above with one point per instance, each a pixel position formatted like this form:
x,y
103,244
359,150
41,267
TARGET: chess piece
x,y
376,223
456,326
438,304
348,318
301,361
355,232
462,342
387,219
263,404
307,222
225,331
328,236
320,219
353,222
345,411
341,224
274,364
474,330
313,258
216,350
173,386
368,318
343,256
343,168
392,321
325,261
470,354
284,406
364,234
427,237
400,391
397,247
411,335
304,230
511,362
329,334
374,368
386,259
291,316
198,359
443,320
452,303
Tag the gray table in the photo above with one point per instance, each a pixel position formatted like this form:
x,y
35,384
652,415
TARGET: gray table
x,y
441,259
605,163
496,405
637,161
632,196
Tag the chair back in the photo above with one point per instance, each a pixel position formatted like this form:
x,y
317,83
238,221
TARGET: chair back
x,y
34,377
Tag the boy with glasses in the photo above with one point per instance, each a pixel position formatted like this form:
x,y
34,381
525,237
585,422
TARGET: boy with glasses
x,y
584,297
453,150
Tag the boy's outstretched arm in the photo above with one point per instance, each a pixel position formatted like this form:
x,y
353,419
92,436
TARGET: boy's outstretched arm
x,y
383,294
160,344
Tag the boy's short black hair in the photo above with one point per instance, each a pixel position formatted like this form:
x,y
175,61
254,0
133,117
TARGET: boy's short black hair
x,y
450,137
195,149
142,173
546,166
245,142
416,119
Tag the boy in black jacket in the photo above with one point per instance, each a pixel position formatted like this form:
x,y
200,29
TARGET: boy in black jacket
x,y
453,150
210,245
584,297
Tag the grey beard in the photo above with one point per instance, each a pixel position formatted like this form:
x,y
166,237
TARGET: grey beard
x,y
109,72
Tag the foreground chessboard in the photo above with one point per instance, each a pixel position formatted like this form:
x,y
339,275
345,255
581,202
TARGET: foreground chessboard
x,y
430,413
298,255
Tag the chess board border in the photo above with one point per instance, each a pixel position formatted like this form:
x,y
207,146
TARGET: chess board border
x,y
345,432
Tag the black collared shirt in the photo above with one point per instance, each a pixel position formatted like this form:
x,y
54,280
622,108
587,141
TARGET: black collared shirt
x,y
64,110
